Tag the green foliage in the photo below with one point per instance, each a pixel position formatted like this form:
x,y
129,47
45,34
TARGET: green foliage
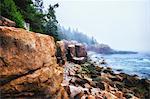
x,y
31,11
9,10
89,68
51,26
31,15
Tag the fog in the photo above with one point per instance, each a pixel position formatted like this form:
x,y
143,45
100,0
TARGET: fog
x,y
122,24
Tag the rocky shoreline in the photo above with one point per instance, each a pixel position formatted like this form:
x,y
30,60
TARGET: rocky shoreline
x,y
96,82
33,66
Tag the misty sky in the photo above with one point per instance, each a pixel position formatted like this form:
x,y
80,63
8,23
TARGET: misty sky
x,y
122,24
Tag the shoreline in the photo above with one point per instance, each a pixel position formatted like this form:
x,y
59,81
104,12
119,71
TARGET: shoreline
x,y
91,80
125,63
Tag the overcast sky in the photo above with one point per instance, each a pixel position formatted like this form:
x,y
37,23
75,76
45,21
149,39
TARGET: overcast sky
x,y
122,24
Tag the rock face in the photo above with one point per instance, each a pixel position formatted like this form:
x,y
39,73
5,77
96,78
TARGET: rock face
x,y
28,66
6,22
80,50
71,51
61,53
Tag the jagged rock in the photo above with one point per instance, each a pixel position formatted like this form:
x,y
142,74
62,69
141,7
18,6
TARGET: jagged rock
x,y
61,52
128,95
86,85
78,96
108,95
74,91
108,70
131,81
89,81
119,85
76,53
98,68
80,50
70,52
119,94
28,66
100,85
116,78
6,22
99,97
81,82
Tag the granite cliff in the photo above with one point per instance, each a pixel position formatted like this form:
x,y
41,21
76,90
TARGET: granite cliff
x,y
28,66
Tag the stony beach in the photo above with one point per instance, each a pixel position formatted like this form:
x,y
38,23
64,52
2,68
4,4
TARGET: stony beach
x,y
90,81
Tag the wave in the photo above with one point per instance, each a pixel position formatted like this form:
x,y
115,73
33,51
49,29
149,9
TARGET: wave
x,y
143,60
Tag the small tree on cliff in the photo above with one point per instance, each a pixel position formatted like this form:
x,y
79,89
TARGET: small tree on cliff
x,y
51,25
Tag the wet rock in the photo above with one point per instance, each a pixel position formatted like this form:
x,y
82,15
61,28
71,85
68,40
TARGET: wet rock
x,y
116,78
93,76
128,95
100,85
119,70
130,81
108,70
145,83
119,85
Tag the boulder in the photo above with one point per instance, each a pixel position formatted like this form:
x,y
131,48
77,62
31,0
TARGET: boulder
x,y
61,52
108,95
80,50
119,94
100,85
28,66
70,52
6,22
91,97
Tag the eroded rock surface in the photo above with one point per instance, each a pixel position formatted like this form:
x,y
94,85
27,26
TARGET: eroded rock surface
x,y
28,66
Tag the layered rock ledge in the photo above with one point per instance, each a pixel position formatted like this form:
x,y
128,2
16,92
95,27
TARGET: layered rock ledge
x,y
28,66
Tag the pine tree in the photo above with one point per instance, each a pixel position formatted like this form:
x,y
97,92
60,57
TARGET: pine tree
x,y
52,23
9,10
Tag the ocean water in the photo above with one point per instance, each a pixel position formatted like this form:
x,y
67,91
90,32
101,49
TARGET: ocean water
x,y
133,64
